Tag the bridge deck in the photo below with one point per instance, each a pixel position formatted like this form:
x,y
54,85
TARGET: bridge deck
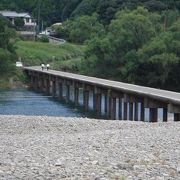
x,y
163,95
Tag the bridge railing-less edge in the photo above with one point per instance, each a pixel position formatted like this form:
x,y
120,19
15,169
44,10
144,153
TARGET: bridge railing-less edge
x,y
108,99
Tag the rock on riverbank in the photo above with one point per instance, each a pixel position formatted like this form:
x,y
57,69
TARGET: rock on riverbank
x,y
71,148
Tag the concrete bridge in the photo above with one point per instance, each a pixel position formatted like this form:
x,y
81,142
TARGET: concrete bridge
x,y
125,100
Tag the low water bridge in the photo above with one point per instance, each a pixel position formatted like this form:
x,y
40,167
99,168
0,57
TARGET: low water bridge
x,y
121,100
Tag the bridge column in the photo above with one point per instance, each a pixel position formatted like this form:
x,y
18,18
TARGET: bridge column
x,y
125,110
131,111
94,100
43,84
126,99
40,84
31,82
110,106
120,109
136,111
113,109
173,108
176,116
142,111
47,86
153,114
86,100
67,93
97,101
60,88
36,83
98,104
76,96
105,103
53,88
165,115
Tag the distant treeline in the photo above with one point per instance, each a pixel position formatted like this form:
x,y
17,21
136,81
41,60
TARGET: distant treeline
x,y
52,11
124,41
7,51
138,46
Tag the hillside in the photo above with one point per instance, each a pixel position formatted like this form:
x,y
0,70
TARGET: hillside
x,y
52,11
123,42
64,57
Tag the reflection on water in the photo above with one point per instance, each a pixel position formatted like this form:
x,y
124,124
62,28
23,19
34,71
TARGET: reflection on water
x,y
25,102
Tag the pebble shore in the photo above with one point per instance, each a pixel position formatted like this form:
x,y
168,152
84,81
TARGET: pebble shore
x,y
79,148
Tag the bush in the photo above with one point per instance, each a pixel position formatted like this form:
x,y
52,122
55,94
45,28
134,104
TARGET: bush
x,y
43,39
19,23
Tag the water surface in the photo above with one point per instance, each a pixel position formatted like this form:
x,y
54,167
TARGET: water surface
x,y
26,102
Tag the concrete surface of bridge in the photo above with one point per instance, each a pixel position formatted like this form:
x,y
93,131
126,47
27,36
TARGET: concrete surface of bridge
x,y
131,99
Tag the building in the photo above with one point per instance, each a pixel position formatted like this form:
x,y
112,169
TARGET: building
x,y
29,29
11,15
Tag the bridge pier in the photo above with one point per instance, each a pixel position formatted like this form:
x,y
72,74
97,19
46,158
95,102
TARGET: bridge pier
x,y
97,98
36,84
176,110
67,93
33,83
113,108
86,100
98,104
142,111
165,114
105,103
60,89
176,116
76,96
131,111
136,108
109,106
47,86
41,84
53,88
120,109
153,115
125,110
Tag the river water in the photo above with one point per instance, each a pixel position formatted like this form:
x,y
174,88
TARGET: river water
x,y
26,102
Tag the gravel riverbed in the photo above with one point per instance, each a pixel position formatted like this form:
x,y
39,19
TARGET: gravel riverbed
x,y
77,148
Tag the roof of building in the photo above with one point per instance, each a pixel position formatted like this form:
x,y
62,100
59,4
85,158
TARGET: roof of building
x,y
14,14
57,24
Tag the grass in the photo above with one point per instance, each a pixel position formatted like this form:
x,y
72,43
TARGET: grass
x,y
71,65
65,56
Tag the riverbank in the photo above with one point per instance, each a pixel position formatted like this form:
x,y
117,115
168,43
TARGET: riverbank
x,y
17,80
77,148
11,83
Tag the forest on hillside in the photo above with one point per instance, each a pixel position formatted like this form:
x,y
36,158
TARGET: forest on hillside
x,y
134,41
52,11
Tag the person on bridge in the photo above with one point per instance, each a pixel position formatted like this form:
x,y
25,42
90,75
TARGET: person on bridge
x,y
47,66
42,66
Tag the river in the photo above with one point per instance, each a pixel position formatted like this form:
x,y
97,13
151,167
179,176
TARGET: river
x,y
26,102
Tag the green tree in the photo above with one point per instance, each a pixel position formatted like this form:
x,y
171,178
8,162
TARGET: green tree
x,y
127,33
84,28
7,55
19,23
158,61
